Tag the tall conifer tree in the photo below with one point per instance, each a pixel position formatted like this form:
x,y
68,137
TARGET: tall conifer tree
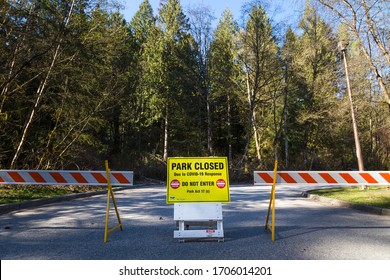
x,y
225,85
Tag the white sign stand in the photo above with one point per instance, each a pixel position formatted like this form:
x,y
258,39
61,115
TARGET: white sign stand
x,y
198,214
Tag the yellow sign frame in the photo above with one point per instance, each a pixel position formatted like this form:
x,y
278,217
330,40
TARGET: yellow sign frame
x,y
197,179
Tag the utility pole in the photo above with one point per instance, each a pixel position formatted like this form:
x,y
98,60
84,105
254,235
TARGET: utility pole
x,y
343,49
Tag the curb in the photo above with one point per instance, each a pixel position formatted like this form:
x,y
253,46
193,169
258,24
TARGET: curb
x,y
344,204
11,207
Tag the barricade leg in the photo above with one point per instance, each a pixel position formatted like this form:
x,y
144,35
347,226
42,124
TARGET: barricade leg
x,y
110,194
271,205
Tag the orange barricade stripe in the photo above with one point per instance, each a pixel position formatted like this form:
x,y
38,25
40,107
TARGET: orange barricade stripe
x,y
58,177
267,178
121,179
348,178
386,176
369,178
16,177
79,178
329,179
37,177
100,178
308,178
286,177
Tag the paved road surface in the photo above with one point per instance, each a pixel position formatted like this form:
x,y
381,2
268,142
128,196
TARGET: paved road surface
x,y
305,230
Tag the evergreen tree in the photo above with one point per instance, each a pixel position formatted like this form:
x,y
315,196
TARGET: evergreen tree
x,y
200,19
142,23
224,88
136,113
67,65
291,86
169,79
316,67
259,57
78,85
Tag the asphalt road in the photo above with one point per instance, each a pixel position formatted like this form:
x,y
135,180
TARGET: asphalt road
x,y
305,230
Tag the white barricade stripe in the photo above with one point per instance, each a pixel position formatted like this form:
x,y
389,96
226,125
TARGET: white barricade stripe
x,y
344,178
65,177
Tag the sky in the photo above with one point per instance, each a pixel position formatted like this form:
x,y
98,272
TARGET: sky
x,y
286,12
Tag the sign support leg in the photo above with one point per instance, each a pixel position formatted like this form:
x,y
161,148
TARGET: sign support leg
x,y
110,193
271,205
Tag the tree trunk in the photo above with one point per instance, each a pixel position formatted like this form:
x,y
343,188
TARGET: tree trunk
x,y
116,134
209,132
11,76
285,113
250,118
41,89
165,156
255,135
4,90
229,120
305,145
285,127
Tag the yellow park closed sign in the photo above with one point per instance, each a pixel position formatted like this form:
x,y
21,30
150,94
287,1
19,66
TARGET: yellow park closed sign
x,y
202,179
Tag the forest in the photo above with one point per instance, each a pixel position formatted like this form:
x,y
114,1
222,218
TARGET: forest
x,y
79,84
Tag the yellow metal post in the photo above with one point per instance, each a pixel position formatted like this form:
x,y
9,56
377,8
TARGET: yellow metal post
x,y
110,193
273,208
271,205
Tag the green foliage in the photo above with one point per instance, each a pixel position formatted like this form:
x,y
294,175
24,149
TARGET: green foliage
x,y
137,92
259,58
312,79
226,103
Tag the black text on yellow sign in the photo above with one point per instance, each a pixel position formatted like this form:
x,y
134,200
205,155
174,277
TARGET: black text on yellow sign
x,y
202,179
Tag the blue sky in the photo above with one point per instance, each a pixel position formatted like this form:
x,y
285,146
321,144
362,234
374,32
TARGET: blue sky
x,y
281,11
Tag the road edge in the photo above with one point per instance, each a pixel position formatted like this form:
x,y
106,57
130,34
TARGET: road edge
x,y
344,204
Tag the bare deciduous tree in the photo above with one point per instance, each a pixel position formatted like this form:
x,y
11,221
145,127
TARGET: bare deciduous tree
x,y
369,23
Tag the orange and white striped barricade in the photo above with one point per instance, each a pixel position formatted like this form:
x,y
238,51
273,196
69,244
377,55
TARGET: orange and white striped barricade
x,y
73,177
320,178
65,177
315,178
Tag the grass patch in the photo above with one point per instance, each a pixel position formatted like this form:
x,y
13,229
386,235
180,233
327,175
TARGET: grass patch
x,y
19,193
378,196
